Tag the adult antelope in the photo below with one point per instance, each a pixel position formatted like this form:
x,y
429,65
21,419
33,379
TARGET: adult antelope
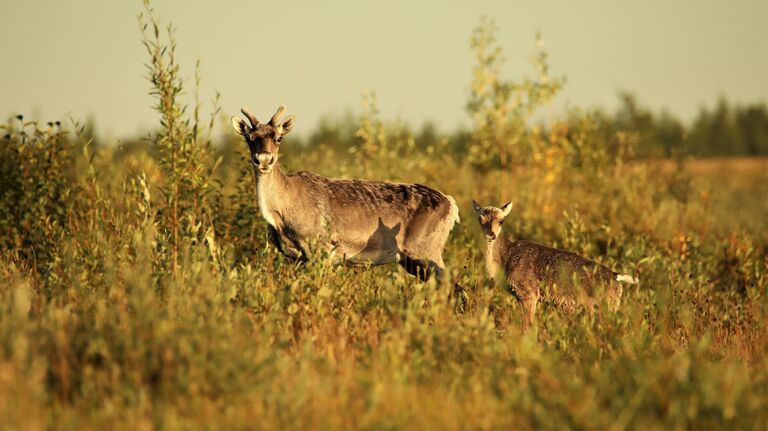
x,y
358,222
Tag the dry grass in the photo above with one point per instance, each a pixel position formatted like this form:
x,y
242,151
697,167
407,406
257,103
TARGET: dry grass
x,y
137,290
719,165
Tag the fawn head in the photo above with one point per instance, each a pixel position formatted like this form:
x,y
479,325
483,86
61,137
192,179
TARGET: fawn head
x,y
263,139
491,218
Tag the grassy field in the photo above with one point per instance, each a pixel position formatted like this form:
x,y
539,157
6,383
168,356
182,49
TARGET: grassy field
x,y
137,289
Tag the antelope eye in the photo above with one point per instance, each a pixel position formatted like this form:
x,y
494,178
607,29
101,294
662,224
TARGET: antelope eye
x,y
279,139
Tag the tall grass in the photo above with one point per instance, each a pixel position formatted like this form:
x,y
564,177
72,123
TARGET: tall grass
x,y
138,289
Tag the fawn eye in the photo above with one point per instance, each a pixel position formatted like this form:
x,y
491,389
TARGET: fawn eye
x,y
279,139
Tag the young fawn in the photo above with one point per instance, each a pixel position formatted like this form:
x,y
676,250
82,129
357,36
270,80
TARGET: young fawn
x,y
534,272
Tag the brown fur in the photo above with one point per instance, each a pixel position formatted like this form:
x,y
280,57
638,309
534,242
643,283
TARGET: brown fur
x,y
358,222
534,272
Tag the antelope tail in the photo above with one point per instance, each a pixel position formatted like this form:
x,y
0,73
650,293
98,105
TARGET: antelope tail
x,y
454,210
626,278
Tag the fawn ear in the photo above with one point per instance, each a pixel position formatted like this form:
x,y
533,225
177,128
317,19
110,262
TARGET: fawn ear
x,y
239,125
476,206
506,209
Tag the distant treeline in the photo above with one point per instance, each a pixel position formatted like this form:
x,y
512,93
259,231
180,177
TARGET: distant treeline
x,y
725,130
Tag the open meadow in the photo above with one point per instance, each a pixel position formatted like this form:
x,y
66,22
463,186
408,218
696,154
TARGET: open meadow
x,y
138,289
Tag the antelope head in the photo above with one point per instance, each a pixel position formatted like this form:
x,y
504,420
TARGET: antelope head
x,y
263,139
491,218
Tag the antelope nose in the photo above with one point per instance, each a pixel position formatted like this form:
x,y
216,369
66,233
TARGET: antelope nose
x,y
263,159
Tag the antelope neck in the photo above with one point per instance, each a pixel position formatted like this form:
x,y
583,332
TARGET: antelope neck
x,y
267,185
498,244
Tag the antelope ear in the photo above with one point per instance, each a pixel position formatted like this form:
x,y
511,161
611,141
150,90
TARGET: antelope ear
x,y
240,127
287,124
476,206
506,209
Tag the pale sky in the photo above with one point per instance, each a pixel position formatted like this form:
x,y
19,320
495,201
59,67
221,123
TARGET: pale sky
x,y
84,57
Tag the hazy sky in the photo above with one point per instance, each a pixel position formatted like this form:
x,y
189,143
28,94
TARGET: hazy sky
x,y
84,57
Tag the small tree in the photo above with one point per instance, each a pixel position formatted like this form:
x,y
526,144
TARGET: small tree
x,y
501,109
183,149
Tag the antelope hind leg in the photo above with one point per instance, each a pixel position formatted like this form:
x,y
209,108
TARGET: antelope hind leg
x,y
421,268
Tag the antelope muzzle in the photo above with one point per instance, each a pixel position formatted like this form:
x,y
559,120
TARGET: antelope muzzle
x,y
264,162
